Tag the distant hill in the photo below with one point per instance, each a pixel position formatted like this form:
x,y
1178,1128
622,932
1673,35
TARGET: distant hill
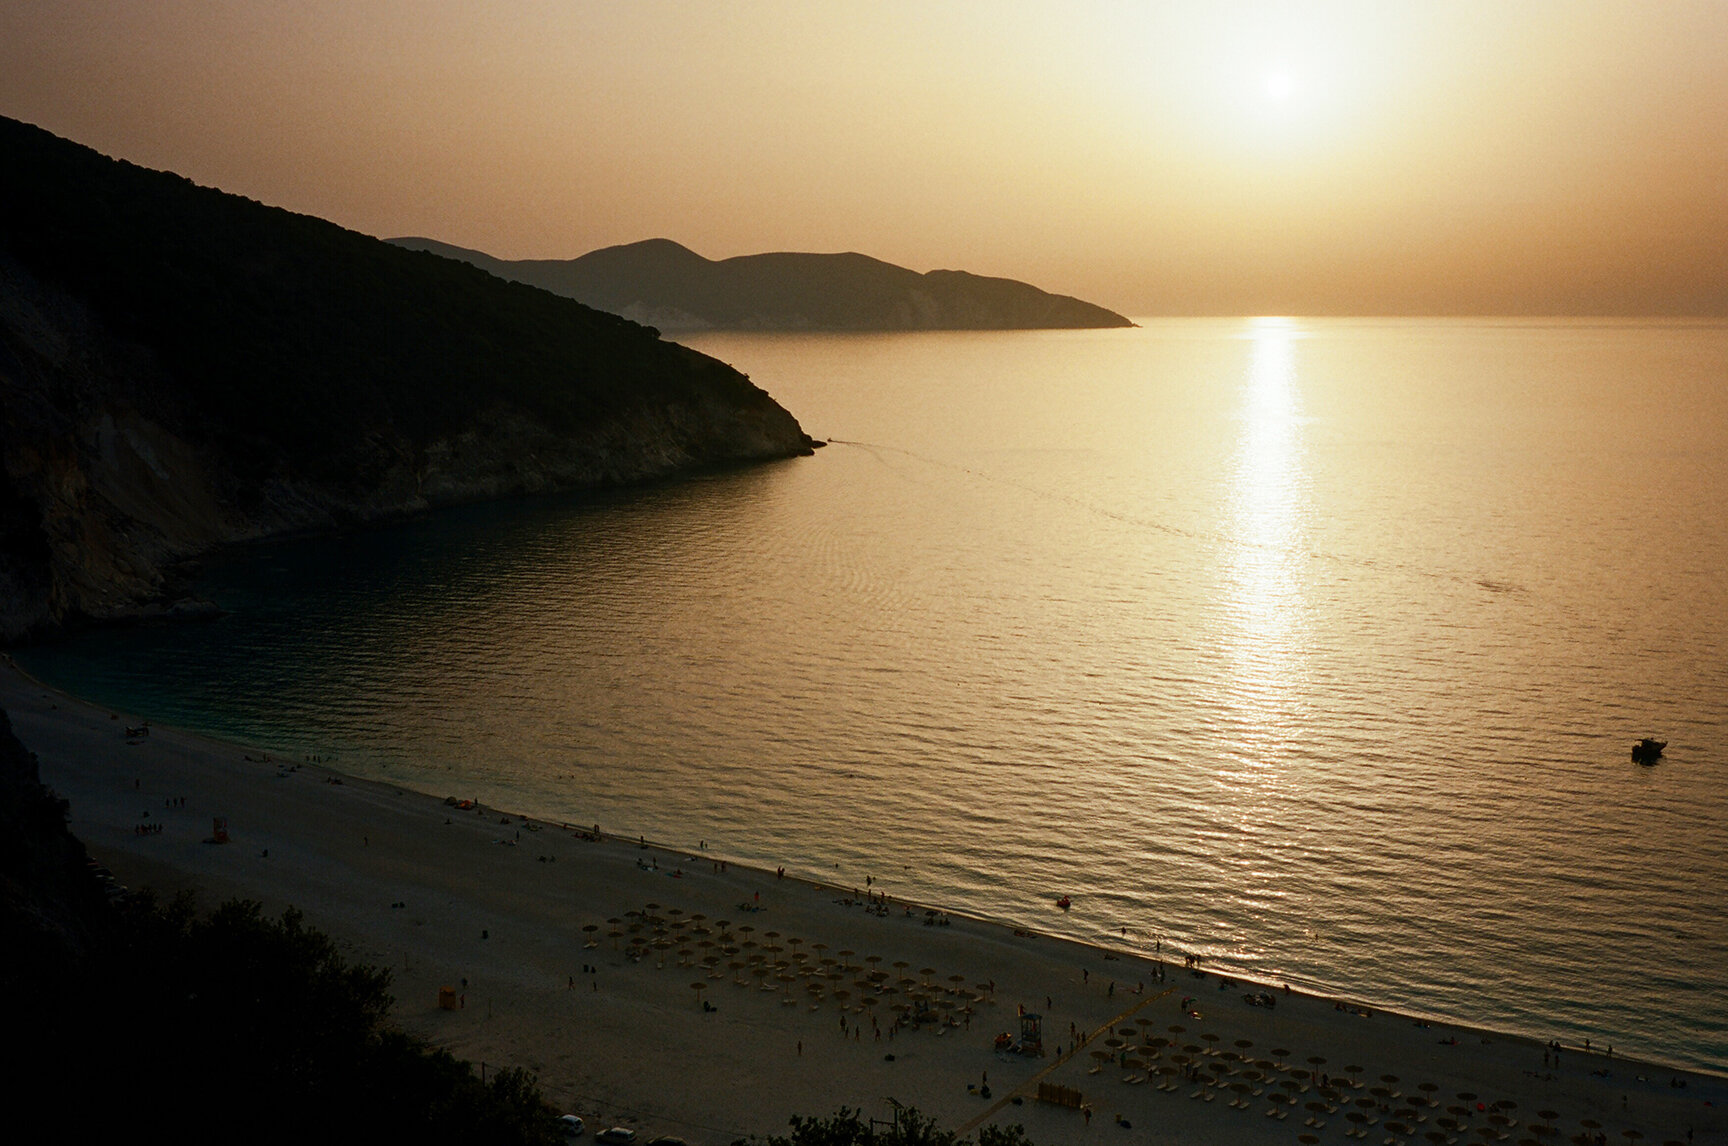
x,y
181,368
663,284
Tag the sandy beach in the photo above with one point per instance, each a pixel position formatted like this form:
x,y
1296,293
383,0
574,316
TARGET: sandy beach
x,y
677,993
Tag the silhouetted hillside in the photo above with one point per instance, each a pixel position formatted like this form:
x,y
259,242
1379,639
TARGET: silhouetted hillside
x,y
180,367
660,282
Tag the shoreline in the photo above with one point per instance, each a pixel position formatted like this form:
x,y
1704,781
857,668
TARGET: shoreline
x,y
546,925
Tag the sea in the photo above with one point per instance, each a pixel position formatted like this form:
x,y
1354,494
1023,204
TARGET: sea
x,y
1316,648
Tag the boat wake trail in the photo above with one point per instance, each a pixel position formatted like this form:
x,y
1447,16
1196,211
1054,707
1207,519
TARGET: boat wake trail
x,y
1222,539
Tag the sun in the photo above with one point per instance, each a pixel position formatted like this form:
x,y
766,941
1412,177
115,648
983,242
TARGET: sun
x,y
1279,86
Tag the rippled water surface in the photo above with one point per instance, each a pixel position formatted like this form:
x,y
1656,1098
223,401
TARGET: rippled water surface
x,y
1313,647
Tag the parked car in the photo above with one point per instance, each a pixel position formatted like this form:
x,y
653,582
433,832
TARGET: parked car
x,y
572,1126
616,1136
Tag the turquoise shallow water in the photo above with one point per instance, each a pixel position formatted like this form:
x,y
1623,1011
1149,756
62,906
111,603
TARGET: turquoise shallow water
x,y
1313,647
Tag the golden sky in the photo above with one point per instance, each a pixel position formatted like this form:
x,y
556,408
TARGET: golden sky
x,y
1215,158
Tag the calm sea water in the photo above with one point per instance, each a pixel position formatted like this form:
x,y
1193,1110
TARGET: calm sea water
x,y
1315,647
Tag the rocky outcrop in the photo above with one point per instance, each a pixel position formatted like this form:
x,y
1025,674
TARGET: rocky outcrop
x,y
672,287
181,369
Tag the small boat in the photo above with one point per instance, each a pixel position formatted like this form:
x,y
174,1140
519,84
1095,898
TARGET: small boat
x,y
1648,751
1064,903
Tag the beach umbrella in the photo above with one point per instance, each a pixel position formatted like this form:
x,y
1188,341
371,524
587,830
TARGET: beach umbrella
x,y
1589,1124
674,911
772,934
722,923
1316,1060
1397,1128
1297,1072
1466,1096
698,988
1367,1103
1176,1030
1550,1115
1355,1116
1352,1070
1388,1079
1632,1135
1316,1107
1280,1052
1210,1037
1307,1139
1506,1104
1112,1041
614,935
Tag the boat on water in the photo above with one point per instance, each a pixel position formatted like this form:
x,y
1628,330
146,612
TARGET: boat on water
x,y
1648,751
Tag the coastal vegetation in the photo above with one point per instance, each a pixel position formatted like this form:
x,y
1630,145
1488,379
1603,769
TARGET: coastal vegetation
x,y
137,1017
909,1127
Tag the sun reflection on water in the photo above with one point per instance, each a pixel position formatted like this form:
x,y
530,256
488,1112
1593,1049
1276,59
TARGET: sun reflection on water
x,y
1264,598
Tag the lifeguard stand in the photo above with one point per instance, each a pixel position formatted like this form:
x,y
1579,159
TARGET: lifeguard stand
x,y
1032,1034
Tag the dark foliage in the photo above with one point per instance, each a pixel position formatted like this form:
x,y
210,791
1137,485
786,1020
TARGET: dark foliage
x,y
848,1127
239,1024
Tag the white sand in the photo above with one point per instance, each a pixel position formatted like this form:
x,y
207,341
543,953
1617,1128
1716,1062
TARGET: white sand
x,y
630,1043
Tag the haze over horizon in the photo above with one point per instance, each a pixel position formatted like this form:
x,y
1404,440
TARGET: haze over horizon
x,y
1189,158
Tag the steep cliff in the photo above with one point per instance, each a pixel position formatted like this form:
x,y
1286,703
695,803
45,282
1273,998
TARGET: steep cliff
x,y
181,368
673,287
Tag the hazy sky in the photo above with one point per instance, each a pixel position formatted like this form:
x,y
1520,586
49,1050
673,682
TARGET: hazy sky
x,y
1157,158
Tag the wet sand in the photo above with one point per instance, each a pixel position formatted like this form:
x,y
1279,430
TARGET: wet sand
x,y
510,913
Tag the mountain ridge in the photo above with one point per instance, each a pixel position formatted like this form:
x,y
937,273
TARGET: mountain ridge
x,y
181,369
665,284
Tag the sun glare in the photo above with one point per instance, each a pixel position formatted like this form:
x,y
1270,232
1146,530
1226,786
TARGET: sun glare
x,y
1279,86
